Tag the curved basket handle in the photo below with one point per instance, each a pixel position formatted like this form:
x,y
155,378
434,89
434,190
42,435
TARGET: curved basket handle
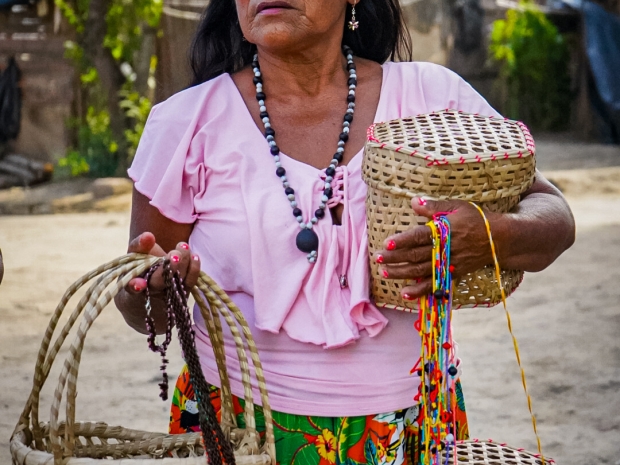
x,y
70,369
45,359
227,308
97,297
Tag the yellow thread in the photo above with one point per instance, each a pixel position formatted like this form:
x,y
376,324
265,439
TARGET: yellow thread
x,y
509,321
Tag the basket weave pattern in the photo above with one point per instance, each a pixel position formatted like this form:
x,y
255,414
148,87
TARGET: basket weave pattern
x,y
443,155
70,443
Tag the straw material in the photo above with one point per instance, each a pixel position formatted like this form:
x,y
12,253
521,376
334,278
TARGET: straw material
x,y
67,442
490,453
443,155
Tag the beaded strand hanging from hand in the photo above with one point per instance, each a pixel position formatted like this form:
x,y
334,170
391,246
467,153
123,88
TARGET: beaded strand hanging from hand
x,y
436,365
218,449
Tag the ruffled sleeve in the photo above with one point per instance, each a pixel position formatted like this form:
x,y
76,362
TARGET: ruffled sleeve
x,y
169,164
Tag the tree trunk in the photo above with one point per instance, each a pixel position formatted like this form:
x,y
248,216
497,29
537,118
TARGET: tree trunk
x,y
110,76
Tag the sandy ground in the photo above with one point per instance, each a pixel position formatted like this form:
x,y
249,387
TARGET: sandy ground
x,y
567,320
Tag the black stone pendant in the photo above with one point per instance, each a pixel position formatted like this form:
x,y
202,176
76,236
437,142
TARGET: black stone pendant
x,y
307,240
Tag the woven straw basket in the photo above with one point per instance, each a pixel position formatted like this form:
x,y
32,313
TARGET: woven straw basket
x,y
70,443
90,443
443,155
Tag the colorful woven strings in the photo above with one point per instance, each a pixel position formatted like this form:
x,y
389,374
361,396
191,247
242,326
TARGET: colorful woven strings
x,y
436,366
509,321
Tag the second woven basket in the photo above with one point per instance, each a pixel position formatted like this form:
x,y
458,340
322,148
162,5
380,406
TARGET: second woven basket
x,y
443,155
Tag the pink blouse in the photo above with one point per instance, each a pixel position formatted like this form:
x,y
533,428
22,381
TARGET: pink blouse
x,y
326,350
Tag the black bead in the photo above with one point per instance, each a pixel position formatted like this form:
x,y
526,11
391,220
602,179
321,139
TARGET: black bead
x,y
264,114
438,294
350,66
289,191
427,367
338,157
328,192
307,240
452,371
257,80
344,137
352,81
270,132
296,212
348,117
419,372
350,98
330,171
275,150
280,172
319,213
260,96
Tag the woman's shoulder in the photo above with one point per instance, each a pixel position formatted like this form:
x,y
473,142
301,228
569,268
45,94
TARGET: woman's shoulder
x,y
194,103
421,87
422,72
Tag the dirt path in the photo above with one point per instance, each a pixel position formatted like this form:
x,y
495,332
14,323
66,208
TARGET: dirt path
x,y
567,319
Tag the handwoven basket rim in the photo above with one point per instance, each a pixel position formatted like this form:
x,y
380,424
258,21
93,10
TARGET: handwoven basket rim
x,y
435,158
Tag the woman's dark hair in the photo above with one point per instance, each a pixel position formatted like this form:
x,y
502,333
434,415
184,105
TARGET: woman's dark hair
x,y
218,45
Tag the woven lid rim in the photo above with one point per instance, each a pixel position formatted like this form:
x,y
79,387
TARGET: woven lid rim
x,y
435,159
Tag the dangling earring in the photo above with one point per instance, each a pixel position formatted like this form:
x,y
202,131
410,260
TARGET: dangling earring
x,y
354,23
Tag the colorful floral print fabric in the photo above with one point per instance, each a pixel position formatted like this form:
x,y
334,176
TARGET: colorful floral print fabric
x,y
383,439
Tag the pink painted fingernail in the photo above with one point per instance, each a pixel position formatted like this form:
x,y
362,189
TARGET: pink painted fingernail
x,y
184,246
137,288
175,258
385,273
379,259
407,297
421,201
391,245
195,258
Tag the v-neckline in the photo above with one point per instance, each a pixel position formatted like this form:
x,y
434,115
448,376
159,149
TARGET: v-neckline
x,y
256,129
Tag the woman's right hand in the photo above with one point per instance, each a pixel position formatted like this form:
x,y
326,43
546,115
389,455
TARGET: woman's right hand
x,y
181,260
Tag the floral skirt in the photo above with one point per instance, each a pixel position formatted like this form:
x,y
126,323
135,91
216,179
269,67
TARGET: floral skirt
x,y
387,438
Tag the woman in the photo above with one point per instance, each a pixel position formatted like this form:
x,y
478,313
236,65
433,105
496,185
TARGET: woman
x,y
272,84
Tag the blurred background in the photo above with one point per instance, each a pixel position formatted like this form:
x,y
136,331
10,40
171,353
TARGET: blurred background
x,y
77,81
91,70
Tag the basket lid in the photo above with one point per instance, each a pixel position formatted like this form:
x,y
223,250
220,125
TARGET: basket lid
x,y
452,136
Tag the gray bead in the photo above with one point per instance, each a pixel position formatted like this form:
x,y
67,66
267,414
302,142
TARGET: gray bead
x,y
329,179
328,185
276,158
299,219
263,108
345,130
324,199
340,149
293,204
291,197
314,220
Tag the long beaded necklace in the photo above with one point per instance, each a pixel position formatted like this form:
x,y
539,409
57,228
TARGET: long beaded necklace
x,y
307,240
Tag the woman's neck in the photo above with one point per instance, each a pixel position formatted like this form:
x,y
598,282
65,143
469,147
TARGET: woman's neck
x,y
305,72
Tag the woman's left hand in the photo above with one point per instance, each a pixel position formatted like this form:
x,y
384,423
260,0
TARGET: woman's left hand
x,y
408,255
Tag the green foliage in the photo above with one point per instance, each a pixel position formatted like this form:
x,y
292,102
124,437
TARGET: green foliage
x,y
96,152
137,108
125,20
533,58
